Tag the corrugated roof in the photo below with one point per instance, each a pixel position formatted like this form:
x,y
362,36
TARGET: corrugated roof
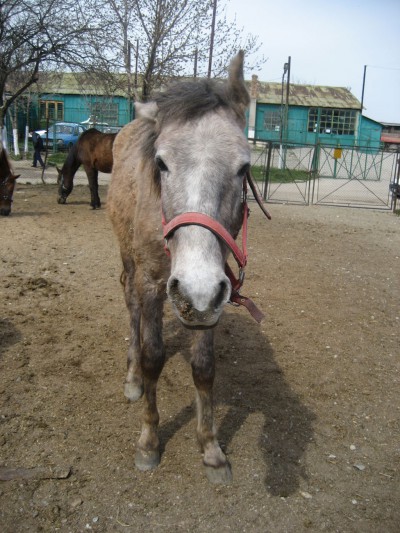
x,y
307,95
267,92
81,84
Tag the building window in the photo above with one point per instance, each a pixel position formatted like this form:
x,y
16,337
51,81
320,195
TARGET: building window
x,y
104,112
51,110
331,121
272,120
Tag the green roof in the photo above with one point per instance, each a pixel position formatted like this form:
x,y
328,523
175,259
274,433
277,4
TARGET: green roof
x,y
306,95
82,84
266,92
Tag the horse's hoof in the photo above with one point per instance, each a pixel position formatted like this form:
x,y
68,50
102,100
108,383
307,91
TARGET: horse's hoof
x,y
147,460
61,200
133,391
219,474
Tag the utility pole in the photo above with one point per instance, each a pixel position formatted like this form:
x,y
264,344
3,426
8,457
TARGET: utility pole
x,y
363,89
287,97
283,133
362,106
214,15
136,63
196,54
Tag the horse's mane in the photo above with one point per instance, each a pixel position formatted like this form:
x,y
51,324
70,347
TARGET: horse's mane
x,y
72,162
184,101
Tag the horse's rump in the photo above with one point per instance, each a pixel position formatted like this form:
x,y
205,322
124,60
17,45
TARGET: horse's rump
x,y
7,183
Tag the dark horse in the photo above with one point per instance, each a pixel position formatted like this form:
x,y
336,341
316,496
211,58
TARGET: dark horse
x,y
93,150
179,179
7,184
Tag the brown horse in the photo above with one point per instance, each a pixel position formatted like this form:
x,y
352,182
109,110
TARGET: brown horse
x,y
7,184
93,150
182,164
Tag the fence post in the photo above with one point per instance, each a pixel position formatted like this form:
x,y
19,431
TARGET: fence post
x,y
314,171
267,168
396,182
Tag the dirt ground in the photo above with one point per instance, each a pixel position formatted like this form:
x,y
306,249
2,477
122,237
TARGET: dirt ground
x,y
307,403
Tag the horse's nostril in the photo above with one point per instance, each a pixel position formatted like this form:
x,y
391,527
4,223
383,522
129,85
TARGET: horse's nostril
x,y
174,286
222,293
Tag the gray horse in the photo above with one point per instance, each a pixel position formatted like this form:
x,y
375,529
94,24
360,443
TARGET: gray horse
x,y
185,154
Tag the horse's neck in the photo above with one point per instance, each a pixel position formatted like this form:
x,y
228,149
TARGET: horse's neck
x,y
5,168
72,163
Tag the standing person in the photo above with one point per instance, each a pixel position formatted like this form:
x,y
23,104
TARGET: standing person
x,y
37,148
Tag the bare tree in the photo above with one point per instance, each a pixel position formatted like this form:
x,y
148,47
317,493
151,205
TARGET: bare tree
x,y
95,36
40,34
172,35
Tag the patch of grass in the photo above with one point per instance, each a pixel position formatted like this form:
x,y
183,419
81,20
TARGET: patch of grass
x,y
53,159
277,175
57,158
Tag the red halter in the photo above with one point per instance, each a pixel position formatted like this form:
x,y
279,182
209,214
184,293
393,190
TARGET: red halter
x,y
200,219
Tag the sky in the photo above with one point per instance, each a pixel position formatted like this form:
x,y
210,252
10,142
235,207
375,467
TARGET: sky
x,y
329,43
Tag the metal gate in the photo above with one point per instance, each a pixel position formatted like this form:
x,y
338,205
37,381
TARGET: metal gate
x,y
317,174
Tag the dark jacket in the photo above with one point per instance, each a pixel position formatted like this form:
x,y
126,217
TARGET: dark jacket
x,y
37,141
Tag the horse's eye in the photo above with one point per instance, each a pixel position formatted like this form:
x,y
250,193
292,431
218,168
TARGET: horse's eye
x,y
161,165
243,170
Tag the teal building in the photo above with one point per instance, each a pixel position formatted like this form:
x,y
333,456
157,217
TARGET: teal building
x,y
309,114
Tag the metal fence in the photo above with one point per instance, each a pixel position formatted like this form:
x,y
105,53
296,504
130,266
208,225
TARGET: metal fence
x,y
317,174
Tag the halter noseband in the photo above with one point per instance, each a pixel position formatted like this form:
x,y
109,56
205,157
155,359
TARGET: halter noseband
x,y
201,219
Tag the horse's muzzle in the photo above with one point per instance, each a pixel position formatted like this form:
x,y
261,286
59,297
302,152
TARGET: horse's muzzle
x,y
198,309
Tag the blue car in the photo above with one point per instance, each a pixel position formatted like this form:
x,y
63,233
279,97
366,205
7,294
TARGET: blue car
x,y
63,134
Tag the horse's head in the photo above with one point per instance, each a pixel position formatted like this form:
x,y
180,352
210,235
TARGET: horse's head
x,y
6,193
64,185
202,157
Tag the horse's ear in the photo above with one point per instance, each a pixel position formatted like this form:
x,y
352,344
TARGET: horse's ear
x,y
148,110
237,87
17,176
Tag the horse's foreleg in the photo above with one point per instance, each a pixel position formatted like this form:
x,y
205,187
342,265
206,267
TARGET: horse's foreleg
x,y
217,467
152,362
93,175
134,379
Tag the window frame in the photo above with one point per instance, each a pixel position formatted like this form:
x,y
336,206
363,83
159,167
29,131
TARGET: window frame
x,y
272,120
56,114
331,121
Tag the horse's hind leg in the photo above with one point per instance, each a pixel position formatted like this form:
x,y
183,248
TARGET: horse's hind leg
x,y
93,175
134,379
217,466
152,362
